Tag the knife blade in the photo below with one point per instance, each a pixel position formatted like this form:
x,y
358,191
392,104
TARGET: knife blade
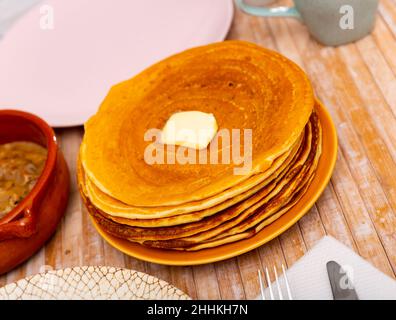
x,y
341,285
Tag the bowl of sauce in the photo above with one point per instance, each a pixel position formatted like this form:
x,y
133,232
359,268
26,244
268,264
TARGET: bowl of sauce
x,y
21,164
34,186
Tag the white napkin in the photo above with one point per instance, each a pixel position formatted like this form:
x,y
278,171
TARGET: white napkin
x,y
308,277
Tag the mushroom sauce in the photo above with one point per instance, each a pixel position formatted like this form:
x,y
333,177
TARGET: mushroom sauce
x,y
21,164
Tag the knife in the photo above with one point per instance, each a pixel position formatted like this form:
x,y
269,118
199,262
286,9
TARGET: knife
x,y
341,285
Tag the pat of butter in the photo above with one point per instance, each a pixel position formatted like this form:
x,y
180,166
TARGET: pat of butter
x,y
192,129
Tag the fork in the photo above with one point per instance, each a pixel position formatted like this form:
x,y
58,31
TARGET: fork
x,y
268,280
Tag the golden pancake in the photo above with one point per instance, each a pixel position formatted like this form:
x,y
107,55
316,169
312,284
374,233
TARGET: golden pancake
x,y
186,229
247,224
134,216
283,185
252,232
267,218
244,85
291,183
306,174
192,217
267,214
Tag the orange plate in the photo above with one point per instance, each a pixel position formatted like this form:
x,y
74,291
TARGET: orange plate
x,y
182,258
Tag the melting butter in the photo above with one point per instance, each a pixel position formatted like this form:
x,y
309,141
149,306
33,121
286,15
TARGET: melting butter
x,y
191,129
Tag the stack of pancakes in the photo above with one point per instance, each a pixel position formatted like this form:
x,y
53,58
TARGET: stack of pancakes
x,y
185,206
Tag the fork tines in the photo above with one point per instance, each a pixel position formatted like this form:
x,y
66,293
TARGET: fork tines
x,y
280,295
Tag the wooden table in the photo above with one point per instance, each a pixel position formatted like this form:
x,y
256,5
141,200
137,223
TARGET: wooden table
x,y
357,83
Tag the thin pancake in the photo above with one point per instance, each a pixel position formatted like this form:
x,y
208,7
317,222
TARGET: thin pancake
x,y
263,209
199,215
306,174
264,216
211,205
202,225
242,84
252,232
211,223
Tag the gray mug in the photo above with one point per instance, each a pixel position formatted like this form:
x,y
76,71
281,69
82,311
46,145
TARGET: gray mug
x,y
331,22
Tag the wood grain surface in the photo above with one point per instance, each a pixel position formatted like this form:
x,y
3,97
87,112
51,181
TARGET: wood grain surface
x,y
357,83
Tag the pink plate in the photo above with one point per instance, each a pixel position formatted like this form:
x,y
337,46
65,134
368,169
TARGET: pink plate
x,y
63,73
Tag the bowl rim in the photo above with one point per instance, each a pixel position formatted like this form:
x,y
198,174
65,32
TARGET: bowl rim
x,y
52,148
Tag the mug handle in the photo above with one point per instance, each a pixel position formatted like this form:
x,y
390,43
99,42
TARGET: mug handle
x,y
288,12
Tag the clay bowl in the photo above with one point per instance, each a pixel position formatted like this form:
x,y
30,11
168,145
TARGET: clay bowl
x,y
26,229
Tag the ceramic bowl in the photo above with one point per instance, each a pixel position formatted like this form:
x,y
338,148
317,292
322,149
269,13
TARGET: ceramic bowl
x,y
25,229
